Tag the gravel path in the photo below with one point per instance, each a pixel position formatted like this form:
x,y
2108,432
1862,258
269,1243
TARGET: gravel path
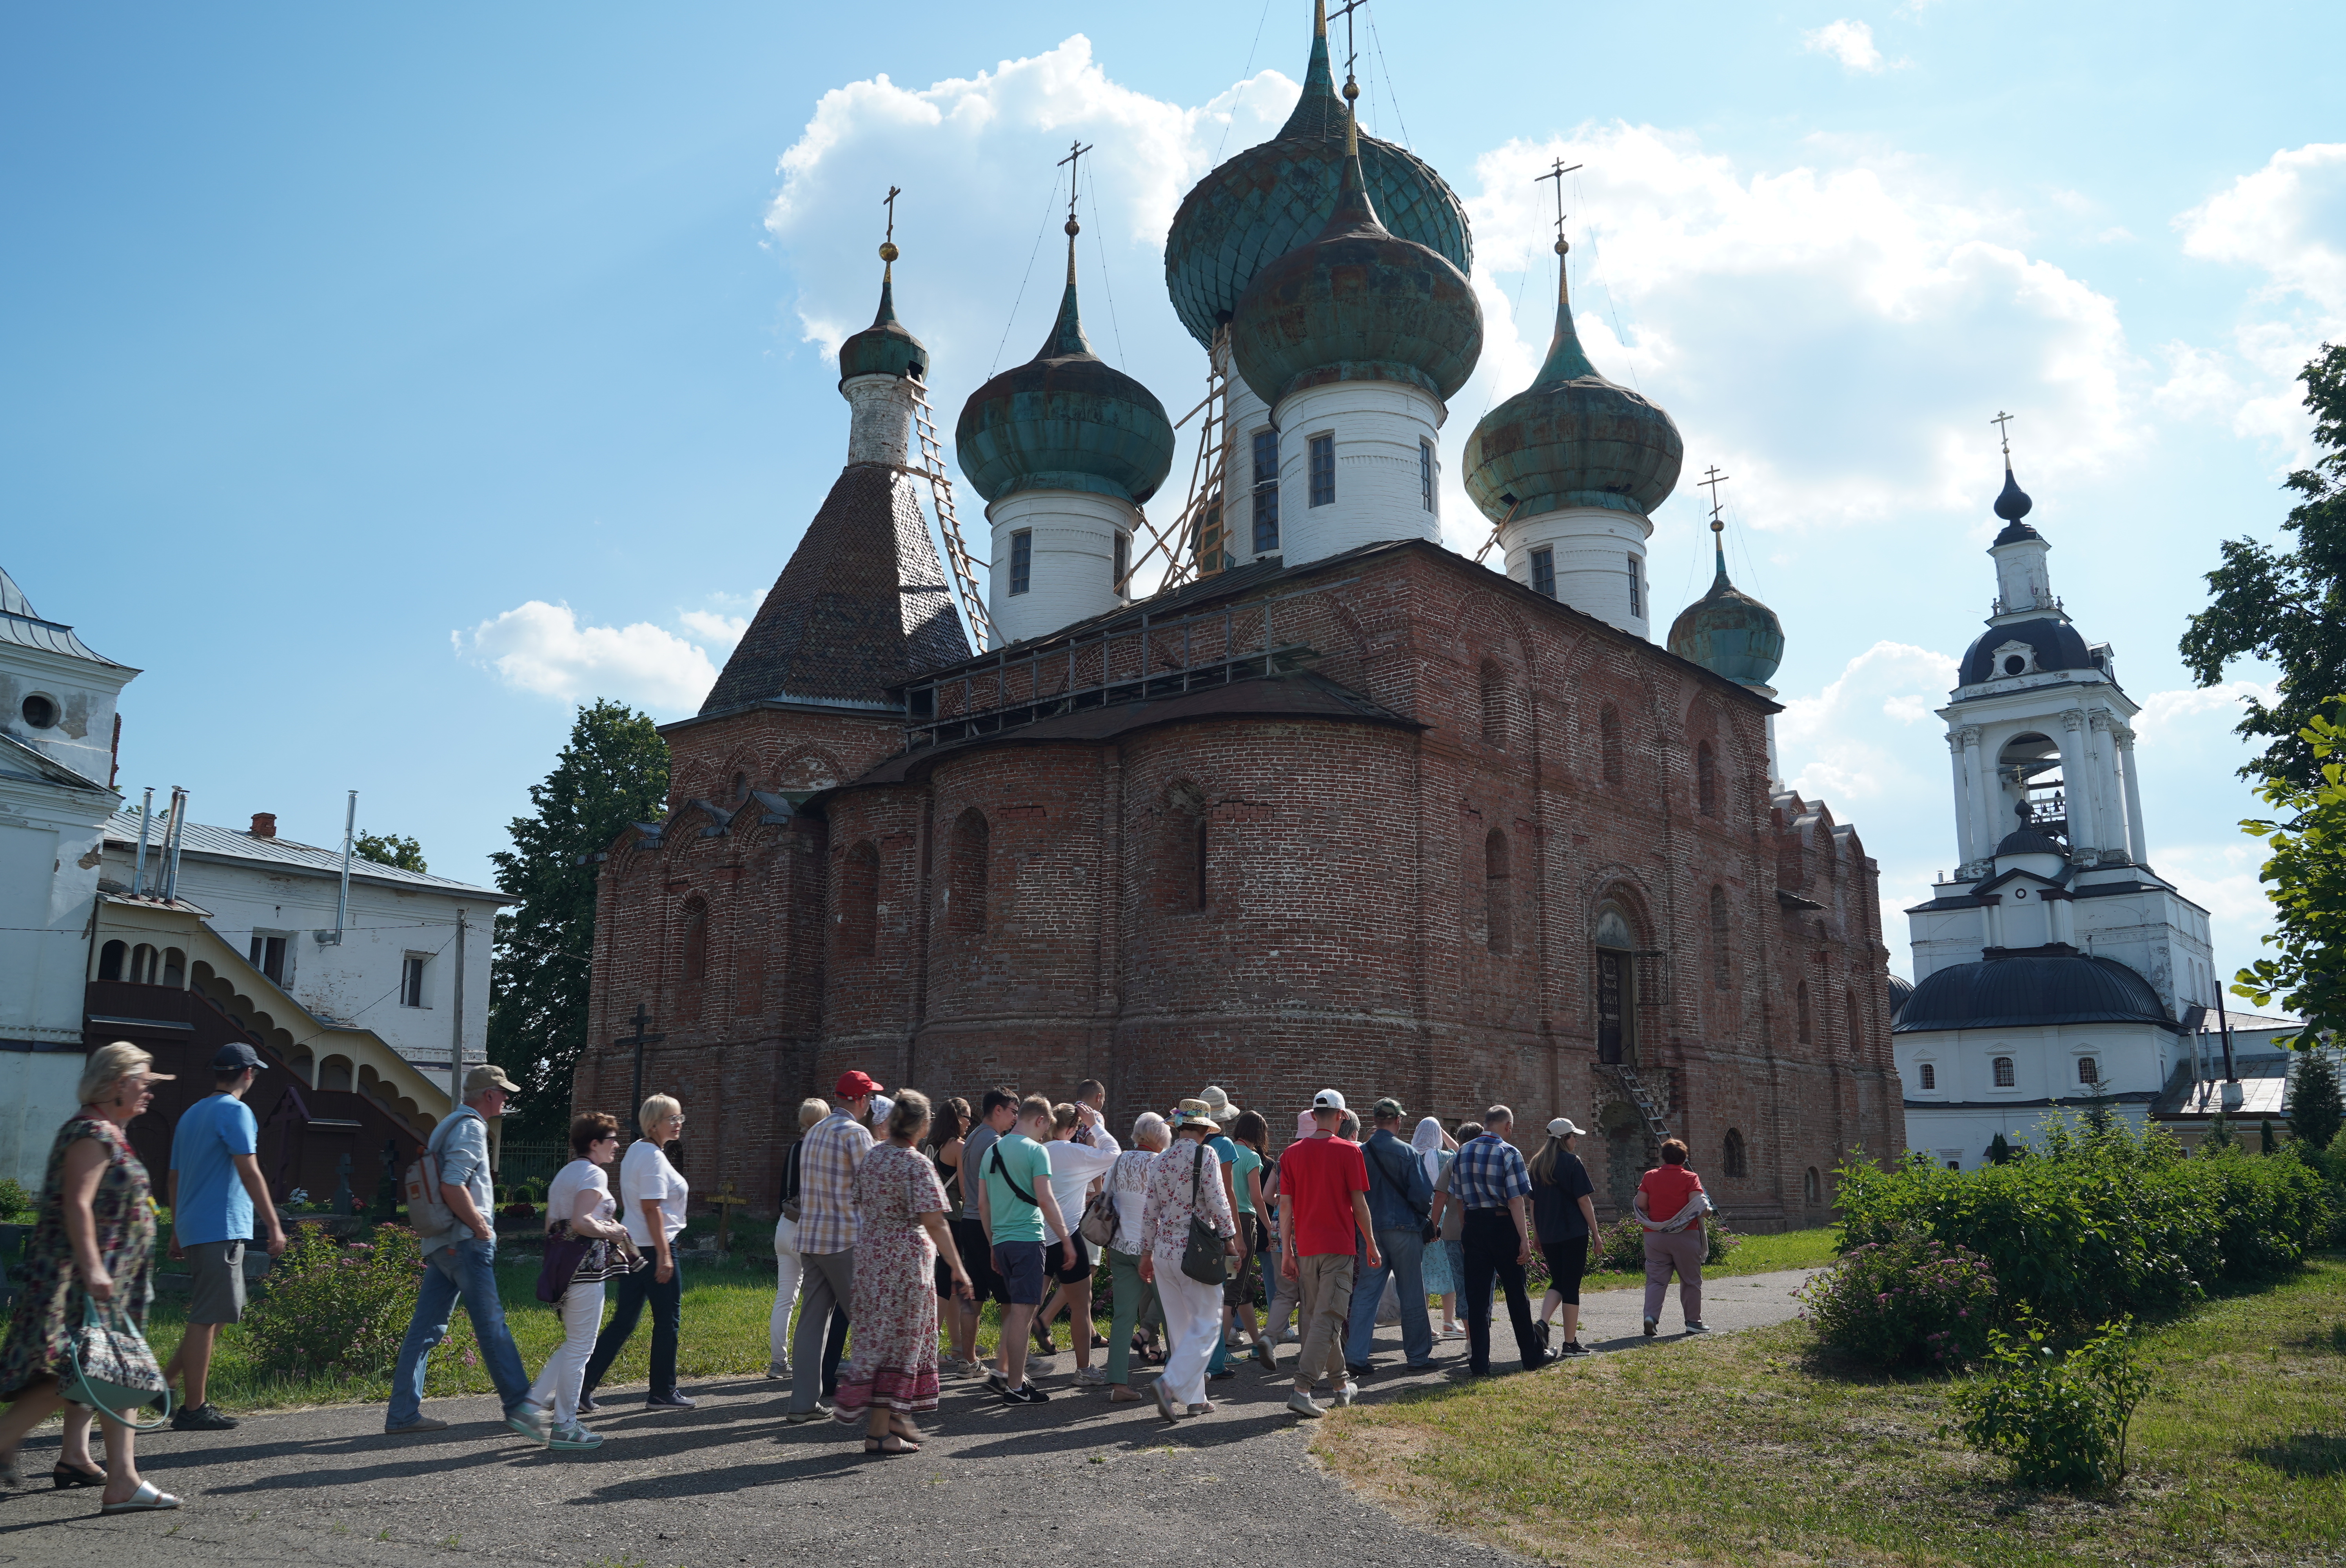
x,y
730,1484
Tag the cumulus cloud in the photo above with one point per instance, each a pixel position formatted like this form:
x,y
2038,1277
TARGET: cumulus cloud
x,y
1850,42
543,649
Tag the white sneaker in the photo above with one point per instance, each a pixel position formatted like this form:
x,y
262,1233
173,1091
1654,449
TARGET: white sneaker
x,y
1349,1393
778,1370
1300,1403
533,1422
572,1437
1090,1378
1205,1408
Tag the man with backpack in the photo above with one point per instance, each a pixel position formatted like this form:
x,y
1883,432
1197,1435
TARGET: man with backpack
x,y
1400,1199
1016,1203
460,1258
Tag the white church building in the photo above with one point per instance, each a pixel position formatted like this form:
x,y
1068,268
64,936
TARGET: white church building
x,y
2055,967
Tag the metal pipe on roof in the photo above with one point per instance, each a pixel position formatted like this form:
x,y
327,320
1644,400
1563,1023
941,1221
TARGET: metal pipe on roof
x,y
138,867
349,834
173,833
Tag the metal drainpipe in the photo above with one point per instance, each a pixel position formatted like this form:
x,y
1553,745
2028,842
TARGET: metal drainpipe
x,y
145,822
456,1038
349,835
173,833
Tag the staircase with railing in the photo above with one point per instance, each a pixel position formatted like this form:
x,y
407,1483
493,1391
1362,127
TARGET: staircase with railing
x,y
1627,1076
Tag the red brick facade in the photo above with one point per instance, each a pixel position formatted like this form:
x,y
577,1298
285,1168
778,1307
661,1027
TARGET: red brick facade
x,y
1262,888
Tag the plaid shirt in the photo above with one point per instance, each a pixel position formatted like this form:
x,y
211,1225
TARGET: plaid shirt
x,y
835,1147
1488,1172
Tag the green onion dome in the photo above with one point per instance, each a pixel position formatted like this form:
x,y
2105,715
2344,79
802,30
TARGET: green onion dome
x,y
1357,303
1274,196
1729,632
885,347
1065,420
1572,439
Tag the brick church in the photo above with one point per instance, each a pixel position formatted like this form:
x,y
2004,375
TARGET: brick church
x,y
1344,807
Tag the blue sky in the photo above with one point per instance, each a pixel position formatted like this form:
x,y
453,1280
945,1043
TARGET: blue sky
x,y
380,382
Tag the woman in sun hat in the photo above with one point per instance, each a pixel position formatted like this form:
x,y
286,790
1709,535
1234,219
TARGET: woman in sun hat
x,y
1185,1184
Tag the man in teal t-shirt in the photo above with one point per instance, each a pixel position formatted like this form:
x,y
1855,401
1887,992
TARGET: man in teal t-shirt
x,y
1017,1198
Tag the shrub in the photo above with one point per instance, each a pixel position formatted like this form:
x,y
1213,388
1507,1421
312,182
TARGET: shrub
x,y
2316,1109
2095,1227
1621,1246
328,1306
15,1203
1913,1302
2059,1421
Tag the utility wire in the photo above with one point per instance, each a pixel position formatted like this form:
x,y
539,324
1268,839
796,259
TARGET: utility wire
x,y
1245,76
1049,202
1100,245
1377,44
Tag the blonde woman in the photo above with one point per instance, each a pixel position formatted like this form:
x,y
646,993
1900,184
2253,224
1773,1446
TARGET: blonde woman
x,y
786,1266
93,1241
652,1195
579,1207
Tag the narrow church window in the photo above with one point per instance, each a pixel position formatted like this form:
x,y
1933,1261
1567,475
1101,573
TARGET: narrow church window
x,y
1930,1076
1718,956
1123,567
1022,561
695,967
965,880
1323,470
2088,1071
1813,1185
1856,1030
1608,734
1203,848
1616,985
1543,571
1636,588
411,981
1706,779
1425,472
1737,1162
1266,492
741,786
1800,1007
2004,1077
1494,704
859,902
1498,925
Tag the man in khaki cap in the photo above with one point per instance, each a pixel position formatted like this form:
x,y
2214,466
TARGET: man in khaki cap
x,y
461,1263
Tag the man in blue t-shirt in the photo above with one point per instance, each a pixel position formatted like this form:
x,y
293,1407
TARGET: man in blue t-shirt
x,y
215,1190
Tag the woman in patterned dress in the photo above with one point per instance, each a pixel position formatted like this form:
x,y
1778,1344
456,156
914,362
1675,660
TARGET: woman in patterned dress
x,y
94,1240
900,1233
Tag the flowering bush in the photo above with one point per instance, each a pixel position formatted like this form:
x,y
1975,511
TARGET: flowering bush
x,y
1621,1246
1913,1302
328,1306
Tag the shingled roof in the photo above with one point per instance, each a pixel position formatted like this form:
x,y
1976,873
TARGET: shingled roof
x,y
862,607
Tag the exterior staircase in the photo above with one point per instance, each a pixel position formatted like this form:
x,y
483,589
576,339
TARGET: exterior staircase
x,y
1627,1076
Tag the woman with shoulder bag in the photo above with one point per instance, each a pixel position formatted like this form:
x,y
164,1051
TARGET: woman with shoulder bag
x,y
1186,1212
786,1266
582,1228
86,1280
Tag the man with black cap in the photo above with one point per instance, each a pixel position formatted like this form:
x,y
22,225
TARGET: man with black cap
x,y
215,1190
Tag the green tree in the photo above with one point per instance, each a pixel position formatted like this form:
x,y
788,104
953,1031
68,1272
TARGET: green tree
x,y
2305,876
2288,606
2316,1108
613,771
1999,1150
389,849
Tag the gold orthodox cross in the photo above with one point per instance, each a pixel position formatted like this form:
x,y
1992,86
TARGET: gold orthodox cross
x,y
1712,477
1557,174
2003,422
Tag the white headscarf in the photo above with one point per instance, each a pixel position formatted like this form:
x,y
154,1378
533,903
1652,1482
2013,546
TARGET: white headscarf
x,y
1427,1142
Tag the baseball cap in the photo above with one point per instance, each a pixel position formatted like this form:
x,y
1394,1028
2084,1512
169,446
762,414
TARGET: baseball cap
x,y
1564,1127
1327,1100
488,1075
1388,1106
855,1086
235,1057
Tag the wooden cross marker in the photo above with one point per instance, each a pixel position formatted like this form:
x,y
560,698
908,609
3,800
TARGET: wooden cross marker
x,y
726,1200
639,1040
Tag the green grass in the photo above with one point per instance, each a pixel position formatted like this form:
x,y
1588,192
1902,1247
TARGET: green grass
x,y
1760,1447
1756,1255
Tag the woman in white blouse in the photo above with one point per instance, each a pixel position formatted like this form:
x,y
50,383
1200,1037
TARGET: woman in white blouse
x,y
1128,1183
578,1207
1073,1167
1185,1183
652,1198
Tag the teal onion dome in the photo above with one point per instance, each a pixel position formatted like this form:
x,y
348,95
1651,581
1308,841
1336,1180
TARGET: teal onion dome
x,y
1271,198
1065,420
1729,632
1357,303
1572,439
885,347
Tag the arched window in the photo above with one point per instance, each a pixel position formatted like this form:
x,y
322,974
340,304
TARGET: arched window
x,y
1930,1075
1737,1162
1718,955
2005,1078
1201,841
142,964
1616,1021
2089,1071
1800,1008
1813,1185
1609,735
973,850
175,968
1856,1046
1494,704
1706,779
692,966
859,902
741,786
110,959
1498,895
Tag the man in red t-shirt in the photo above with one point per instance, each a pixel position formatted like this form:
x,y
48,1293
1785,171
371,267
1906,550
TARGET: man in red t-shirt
x,y
1323,1203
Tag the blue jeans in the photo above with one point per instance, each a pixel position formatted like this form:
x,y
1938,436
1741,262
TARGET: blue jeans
x,y
1403,1256
465,1270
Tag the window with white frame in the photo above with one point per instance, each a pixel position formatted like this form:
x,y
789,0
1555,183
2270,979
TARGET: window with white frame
x,y
1022,561
2006,1077
410,980
266,954
1425,472
1636,585
1321,470
1543,571
2089,1071
1930,1074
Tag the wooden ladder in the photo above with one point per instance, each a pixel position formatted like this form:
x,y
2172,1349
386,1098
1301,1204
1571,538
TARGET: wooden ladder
x,y
1196,545
1627,1076
957,557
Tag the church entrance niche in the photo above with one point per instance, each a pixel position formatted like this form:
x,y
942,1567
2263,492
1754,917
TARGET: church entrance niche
x,y
2028,769
1617,987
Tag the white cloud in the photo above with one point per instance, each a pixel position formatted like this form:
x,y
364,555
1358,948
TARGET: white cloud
x,y
2169,718
1850,42
1866,737
540,648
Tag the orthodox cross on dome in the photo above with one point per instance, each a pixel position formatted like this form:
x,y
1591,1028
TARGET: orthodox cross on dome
x,y
1075,150
2003,422
1557,174
1712,477
1351,52
888,243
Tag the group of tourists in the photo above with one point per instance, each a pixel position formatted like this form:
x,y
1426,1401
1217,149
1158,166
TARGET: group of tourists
x,y
897,1217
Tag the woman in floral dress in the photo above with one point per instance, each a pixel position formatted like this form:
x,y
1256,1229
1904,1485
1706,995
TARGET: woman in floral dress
x,y
901,1233
93,1241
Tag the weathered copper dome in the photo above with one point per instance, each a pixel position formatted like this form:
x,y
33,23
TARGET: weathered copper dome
x,y
1729,633
885,347
1572,439
1357,303
1065,420
1275,196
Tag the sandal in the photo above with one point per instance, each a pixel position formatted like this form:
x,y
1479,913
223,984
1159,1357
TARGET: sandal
x,y
66,1476
873,1445
147,1499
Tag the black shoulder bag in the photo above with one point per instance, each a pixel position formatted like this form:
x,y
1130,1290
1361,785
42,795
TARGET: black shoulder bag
x,y
1203,1260
1427,1230
1020,1193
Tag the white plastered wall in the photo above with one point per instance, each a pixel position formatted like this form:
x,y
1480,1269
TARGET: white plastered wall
x,y
1377,427
1071,572
1595,547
